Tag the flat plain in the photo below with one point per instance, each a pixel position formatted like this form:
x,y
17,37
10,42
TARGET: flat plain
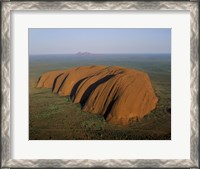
x,y
52,117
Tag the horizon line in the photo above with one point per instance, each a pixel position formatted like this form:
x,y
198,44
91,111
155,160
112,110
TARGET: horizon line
x,y
91,53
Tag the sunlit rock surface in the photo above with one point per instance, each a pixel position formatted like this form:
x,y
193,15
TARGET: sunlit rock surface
x,y
119,94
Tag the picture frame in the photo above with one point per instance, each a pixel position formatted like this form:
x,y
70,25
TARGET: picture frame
x,y
6,82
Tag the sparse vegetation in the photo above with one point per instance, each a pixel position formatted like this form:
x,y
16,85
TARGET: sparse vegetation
x,y
57,118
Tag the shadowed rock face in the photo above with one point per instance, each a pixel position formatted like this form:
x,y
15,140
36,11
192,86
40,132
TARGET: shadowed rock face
x,y
120,95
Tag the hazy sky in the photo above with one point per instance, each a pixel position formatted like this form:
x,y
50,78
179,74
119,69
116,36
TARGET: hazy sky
x,y
101,40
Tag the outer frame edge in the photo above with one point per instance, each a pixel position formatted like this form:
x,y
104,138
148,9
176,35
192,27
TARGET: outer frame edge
x,y
7,162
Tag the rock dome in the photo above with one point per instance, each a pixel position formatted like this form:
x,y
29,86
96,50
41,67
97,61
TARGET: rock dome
x,y
119,94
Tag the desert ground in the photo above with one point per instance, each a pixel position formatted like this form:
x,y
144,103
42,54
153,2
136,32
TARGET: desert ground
x,y
53,117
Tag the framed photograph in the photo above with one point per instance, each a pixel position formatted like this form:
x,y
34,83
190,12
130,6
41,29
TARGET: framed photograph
x,y
100,84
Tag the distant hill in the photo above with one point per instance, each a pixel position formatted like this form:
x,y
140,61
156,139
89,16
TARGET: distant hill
x,y
85,54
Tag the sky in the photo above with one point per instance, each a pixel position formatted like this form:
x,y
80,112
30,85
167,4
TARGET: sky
x,y
99,40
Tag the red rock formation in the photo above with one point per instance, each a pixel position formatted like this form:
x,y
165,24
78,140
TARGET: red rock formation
x,y
119,94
